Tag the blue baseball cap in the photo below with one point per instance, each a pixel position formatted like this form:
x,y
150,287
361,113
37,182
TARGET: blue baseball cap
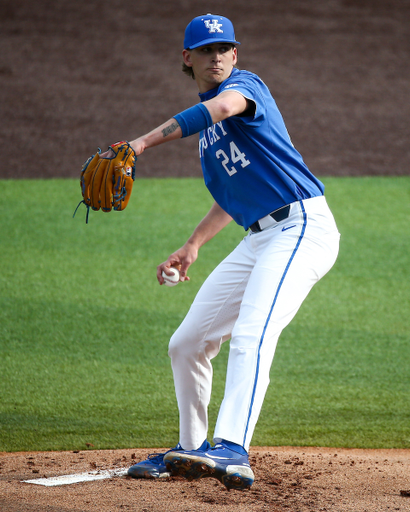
x,y
209,29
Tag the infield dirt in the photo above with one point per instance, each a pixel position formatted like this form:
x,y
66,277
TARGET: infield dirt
x,y
286,479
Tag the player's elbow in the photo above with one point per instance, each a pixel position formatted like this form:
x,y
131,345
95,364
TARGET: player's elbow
x,y
225,109
229,104
220,109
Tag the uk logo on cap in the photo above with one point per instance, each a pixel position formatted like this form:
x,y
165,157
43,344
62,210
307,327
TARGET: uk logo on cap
x,y
209,29
213,26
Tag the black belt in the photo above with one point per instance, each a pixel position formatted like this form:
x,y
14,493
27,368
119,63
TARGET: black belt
x,y
278,215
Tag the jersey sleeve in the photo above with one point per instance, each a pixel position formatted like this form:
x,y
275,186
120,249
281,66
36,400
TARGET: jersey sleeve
x,y
251,90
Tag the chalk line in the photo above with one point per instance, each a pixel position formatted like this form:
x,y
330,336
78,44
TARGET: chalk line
x,y
79,477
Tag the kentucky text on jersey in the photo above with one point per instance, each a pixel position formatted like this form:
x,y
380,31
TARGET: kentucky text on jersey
x,y
210,137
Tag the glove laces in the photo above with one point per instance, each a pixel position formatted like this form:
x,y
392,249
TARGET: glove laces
x,y
88,210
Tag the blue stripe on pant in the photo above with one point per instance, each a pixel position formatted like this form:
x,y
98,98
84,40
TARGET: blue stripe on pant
x,y
270,314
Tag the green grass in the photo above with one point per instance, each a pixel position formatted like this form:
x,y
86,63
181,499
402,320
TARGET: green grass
x,y
84,327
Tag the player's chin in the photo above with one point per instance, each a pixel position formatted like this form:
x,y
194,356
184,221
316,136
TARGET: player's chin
x,y
216,75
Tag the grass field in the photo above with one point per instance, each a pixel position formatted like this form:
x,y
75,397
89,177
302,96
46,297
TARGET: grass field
x,y
84,326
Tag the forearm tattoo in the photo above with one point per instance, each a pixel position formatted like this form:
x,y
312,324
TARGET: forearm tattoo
x,y
170,129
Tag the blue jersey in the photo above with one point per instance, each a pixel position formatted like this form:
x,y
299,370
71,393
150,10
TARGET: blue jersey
x,y
250,165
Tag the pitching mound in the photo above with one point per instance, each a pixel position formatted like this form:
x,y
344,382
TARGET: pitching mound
x,y
287,479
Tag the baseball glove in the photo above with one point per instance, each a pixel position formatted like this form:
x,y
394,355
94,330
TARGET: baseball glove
x,y
106,181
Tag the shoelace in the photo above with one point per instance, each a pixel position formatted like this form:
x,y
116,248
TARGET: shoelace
x,y
156,458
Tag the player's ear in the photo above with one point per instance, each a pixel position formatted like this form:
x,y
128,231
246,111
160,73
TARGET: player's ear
x,y
186,55
235,55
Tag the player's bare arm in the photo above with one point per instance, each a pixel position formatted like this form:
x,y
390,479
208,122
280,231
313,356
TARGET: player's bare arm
x,y
226,104
214,221
170,130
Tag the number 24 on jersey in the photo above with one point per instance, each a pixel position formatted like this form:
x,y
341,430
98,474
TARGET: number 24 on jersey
x,y
235,157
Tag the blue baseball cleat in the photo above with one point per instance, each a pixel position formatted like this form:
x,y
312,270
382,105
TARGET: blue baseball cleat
x,y
154,466
226,461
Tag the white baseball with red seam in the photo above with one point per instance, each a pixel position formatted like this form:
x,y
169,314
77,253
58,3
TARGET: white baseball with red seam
x,y
171,280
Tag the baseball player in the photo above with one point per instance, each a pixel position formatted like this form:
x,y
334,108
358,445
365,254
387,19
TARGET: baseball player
x,y
258,179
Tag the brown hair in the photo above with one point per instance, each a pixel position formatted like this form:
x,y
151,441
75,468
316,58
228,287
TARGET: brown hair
x,y
188,71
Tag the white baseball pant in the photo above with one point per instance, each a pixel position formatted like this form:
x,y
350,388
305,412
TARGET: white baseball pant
x,y
249,298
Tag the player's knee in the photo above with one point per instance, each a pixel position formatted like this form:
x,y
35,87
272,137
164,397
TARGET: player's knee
x,y
178,344
188,344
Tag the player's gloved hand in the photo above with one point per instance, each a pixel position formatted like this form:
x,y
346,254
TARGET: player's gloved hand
x,y
107,178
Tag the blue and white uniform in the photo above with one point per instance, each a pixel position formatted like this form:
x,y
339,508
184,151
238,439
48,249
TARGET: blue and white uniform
x,y
251,169
263,170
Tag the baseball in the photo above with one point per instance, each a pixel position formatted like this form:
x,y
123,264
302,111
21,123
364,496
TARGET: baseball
x,y
171,280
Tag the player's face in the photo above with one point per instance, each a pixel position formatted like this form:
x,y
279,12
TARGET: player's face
x,y
211,64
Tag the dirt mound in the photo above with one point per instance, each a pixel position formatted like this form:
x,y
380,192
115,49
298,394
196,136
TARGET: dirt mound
x,y
286,479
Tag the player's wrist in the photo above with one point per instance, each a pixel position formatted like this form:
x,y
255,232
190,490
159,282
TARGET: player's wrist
x,y
138,145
